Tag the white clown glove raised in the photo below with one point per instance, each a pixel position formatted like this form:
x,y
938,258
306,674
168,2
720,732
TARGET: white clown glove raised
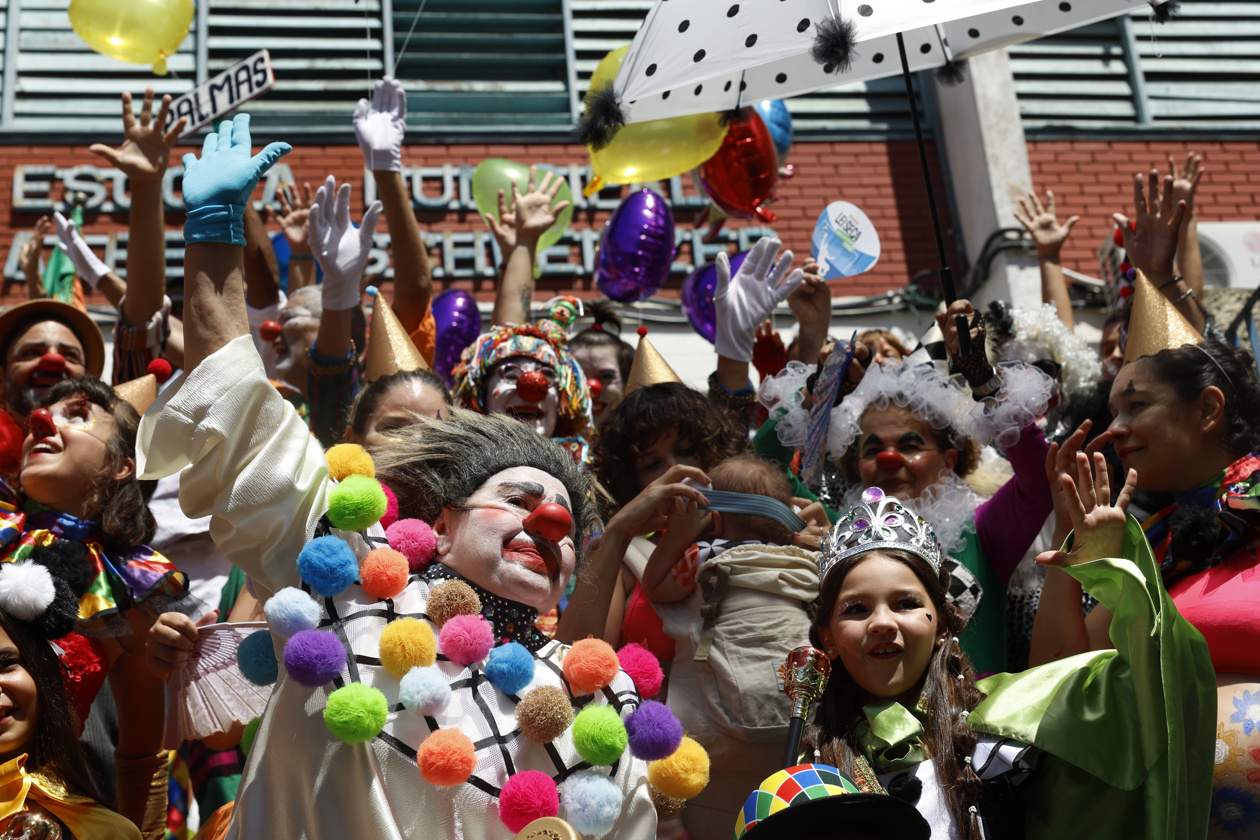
x,y
748,298
342,251
380,127
87,265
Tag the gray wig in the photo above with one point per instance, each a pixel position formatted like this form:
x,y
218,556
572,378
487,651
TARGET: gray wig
x,y
437,464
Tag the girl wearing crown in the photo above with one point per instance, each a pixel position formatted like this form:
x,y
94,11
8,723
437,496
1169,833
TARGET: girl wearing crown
x,y
1110,744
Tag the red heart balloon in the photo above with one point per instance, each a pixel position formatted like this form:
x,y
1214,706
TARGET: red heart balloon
x,y
550,522
741,176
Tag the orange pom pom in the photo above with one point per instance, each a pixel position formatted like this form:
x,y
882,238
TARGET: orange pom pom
x,y
384,573
590,665
446,758
347,459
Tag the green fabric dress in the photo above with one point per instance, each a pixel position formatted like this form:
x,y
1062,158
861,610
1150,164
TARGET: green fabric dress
x,y
1139,720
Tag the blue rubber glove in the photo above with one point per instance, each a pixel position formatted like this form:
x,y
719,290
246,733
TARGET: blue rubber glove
x,y
217,187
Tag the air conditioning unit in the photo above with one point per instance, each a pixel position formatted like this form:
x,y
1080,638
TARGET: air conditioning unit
x,y
1231,254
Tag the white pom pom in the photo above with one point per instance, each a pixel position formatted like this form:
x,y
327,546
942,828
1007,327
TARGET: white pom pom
x,y
26,590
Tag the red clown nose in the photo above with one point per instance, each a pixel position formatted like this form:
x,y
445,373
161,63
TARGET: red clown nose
x,y
270,330
533,386
549,522
52,363
596,387
42,424
890,461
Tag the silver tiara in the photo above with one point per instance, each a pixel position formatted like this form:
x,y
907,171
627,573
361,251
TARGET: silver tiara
x,y
879,521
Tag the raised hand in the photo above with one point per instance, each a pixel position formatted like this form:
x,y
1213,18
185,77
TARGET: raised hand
x,y
294,216
504,227
381,126
342,251
811,302
1186,182
963,329
28,257
1060,460
1043,225
769,354
87,265
748,298
218,184
146,149
171,641
537,209
1097,525
1151,241
648,511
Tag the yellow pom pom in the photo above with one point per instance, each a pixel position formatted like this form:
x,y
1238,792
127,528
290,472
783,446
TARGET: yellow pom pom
x,y
349,459
407,643
684,774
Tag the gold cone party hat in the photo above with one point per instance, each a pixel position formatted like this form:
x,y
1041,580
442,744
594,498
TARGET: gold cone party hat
x,y
139,392
649,368
1155,324
389,347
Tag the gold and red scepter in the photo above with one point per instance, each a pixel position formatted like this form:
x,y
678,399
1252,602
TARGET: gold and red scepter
x,y
804,678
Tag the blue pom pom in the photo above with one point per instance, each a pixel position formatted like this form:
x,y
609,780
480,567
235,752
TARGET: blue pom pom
x,y
424,690
290,611
328,565
510,668
592,802
371,291
257,658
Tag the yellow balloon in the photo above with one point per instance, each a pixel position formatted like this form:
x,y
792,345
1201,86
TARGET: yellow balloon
x,y
651,151
138,31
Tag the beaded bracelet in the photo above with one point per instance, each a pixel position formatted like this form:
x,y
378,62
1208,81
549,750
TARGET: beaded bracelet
x,y
745,396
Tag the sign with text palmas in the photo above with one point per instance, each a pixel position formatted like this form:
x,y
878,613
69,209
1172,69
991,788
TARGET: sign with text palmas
x,y
224,93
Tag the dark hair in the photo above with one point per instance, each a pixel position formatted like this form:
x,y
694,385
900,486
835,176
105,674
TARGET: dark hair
x,y
367,400
643,416
948,690
435,464
606,332
55,747
749,473
1191,368
20,328
119,505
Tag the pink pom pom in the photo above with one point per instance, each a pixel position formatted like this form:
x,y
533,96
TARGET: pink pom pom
x,y
391,507
466,639
590,665
643,667
414,539
528,796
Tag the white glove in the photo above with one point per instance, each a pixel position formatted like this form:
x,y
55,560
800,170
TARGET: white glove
x,y
341,251
87,265
744,302
381,126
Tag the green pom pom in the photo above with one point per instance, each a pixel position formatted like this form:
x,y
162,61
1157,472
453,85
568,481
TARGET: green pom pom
x,y
599,734
356,713
356,503
251,732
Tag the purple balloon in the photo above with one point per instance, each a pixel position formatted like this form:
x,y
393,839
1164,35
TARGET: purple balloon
x,y
458,325
637,248
697,297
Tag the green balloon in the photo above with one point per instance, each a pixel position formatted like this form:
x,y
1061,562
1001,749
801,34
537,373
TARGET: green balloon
x,y
496,174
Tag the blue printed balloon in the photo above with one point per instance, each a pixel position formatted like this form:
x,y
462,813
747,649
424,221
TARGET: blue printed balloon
x,y
776,117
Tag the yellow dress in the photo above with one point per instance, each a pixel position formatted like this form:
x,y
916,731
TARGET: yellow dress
x,y
87,820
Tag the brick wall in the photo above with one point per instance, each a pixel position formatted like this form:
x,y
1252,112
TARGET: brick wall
x,y
882,178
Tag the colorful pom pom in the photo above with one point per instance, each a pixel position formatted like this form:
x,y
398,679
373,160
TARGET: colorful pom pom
x,y
592,802
529,795
290,611
314,658
356,503
26,590
510,668
544,714
424,690
250,733
384,573
466,639
328,565
654,731
449,599
356,713
406,643
684,774
599,735
347,459
257,658
643,667
415,539
590,665
391,507
446,758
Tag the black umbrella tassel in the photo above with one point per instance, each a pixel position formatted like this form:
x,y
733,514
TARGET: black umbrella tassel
x,y
602,120
834,42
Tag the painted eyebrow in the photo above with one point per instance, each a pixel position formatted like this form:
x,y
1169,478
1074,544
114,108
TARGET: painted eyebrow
x,y
911,436
531,488
872,439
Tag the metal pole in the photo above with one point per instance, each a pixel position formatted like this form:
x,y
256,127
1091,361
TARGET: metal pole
x,y
947,276
1137,79
203,42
